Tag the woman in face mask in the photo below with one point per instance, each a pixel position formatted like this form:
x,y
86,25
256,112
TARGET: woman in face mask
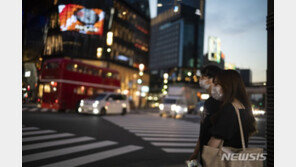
x,y
211,106
228,87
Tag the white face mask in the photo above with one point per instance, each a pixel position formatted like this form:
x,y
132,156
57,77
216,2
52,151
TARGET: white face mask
x,y
217,92
203,84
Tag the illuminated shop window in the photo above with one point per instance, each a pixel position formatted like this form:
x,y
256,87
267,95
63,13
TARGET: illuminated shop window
x,y
80,90
40,91
90,91
47,88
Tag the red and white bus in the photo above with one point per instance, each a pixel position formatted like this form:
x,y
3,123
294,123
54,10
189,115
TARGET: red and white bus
x,y
64,82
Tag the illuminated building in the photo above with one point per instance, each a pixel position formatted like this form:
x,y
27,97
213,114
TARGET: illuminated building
x,y
110,33
176,45
164,5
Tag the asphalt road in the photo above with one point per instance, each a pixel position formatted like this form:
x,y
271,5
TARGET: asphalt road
x,y
143,139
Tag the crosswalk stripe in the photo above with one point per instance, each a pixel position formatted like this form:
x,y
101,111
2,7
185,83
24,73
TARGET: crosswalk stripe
x,y
256,146
169,139
160,126
45,137
178,150
164,132
163,129
95,157
30,128
64,151
33,109
165,135
39,132
257,138
256,142
56,143
173,144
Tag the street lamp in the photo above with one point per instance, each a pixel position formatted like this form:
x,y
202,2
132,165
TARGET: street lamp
x,y
141,67
109,39
165,81
140,81
99,52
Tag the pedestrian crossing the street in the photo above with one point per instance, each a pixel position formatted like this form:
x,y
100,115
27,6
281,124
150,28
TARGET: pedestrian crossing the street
x,y
170,135
46,146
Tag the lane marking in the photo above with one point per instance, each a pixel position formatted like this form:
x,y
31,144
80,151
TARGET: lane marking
x,y
178,150
45,137
95,157
169,139
56,143
30,128
173,144
24,109
39,132
64,151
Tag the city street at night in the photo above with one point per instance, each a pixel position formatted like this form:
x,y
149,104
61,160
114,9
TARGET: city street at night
x,y
136,139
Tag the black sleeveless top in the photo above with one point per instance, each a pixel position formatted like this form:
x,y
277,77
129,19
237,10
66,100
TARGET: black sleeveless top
x,y
226,127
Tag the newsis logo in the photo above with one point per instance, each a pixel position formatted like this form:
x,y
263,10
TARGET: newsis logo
x,y
243,157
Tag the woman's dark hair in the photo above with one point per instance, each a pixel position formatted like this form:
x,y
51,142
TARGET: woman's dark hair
x,y
211,71
233,88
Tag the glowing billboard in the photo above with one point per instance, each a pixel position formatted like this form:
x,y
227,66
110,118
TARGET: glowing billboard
x,y
214,49
74,17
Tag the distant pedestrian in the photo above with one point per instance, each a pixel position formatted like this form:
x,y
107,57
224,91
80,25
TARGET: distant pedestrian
x,y
211,106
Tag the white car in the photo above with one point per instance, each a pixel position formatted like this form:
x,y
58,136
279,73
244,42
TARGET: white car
x,y
173,106
104,103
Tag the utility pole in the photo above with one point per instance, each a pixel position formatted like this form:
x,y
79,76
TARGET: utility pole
x,y
270,83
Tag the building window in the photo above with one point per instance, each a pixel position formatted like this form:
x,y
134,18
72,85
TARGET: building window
x,y
47,88
90,91
80,90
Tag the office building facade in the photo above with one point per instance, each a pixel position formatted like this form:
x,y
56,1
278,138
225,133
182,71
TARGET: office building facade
x,y
176,46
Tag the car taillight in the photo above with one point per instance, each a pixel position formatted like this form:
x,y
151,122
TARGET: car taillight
x,y
56,101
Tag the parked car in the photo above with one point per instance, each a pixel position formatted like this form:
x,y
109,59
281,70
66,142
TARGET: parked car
x,y
104,103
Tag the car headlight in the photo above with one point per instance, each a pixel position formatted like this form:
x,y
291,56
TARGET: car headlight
x,y
258,112
161,106
178,108
79,109
186,109
95,111
123,105
173,107
95,104
81,103
201,109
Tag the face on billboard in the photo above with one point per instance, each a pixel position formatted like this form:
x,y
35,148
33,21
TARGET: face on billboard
x,y
74,17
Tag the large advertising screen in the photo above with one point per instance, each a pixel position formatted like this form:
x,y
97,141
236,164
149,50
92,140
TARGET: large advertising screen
x,y
75,17
214,49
